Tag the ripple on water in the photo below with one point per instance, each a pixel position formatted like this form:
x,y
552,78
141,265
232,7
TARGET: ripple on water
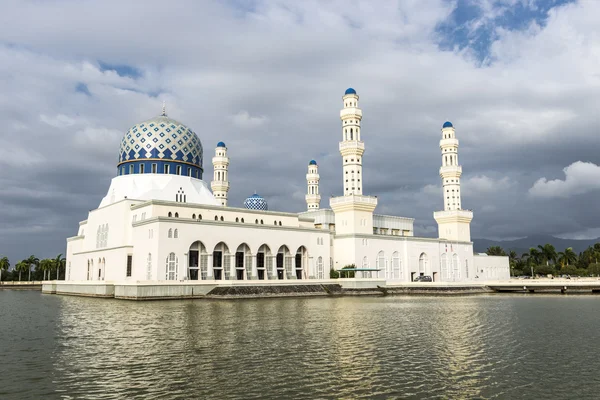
x,y
392,347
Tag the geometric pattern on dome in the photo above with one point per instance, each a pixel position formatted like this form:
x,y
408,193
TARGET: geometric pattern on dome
x,y
256,202
161,138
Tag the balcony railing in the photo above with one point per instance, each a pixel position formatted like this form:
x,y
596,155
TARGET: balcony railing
x,y
352,145
353,198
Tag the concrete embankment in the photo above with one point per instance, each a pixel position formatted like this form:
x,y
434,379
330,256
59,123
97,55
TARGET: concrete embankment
x,y
27,285
309,288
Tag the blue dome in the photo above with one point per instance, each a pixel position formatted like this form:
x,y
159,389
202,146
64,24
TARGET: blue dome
x,y
159,142
256,202
350,91
221,144
312,162
447,124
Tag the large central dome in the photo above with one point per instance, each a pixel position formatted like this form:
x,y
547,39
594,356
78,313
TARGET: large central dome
x,y
161,145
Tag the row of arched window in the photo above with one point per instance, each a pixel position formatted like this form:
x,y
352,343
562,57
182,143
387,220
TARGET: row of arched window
x,y
173,234
222,219
91,275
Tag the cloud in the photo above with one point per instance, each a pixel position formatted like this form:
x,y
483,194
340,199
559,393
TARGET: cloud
x,y
243,119
580,177
520,87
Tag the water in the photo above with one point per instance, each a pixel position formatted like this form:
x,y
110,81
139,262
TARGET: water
x,y
496,346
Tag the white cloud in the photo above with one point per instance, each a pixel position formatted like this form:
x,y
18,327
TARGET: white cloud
x,y
580,177
243,119
481,184
59,121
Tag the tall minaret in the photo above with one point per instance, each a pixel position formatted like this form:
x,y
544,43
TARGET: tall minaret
x,y
450,171
351,147
313,198
453,222
220,183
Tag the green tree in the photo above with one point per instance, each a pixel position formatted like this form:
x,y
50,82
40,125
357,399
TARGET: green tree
x,y
495,251
548,253
47,265
22,266
567,257
4,265
58,263
32,260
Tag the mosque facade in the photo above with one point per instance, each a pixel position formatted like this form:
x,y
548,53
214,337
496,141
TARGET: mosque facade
x,y
160,221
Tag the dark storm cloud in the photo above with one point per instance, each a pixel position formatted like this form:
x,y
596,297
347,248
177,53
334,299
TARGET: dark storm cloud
x,y
268,81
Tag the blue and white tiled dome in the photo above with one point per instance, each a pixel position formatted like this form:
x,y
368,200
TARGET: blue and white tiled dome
x,y
161,145
256,202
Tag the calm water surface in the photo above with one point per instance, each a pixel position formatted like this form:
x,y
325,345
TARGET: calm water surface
x,y
506,347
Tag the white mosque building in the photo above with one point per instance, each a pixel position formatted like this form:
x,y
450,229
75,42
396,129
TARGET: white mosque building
x,y
161,223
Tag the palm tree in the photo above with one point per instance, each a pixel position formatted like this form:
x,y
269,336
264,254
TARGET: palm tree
x,y
566,257
46,266
495,251
4,265
22,266
548,253
32,260
58,263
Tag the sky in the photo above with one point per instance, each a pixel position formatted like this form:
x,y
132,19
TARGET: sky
x,y
519,80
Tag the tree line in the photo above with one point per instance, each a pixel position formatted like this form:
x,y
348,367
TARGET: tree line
x,y
32,269
544,260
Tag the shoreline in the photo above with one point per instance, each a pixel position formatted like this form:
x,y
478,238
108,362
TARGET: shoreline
x,y
228,290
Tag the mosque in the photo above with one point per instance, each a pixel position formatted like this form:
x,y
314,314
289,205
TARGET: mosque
x,y
161,223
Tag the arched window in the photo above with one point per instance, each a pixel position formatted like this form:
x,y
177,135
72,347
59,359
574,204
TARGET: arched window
x,y
242,220
320,272
216,218
381,264
237,219
199,217
423,263
261,222
176,215
256,221
395,265
170,214
222,218
176,234
193,216
275,223
170,234
279,223
171,267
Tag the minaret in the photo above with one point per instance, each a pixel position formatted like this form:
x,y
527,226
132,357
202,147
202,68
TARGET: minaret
x,y
453,222
351,147
220,183
353,210
313,198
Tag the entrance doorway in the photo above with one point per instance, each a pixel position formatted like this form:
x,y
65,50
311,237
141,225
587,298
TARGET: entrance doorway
x,y
279,264
260,265
217,265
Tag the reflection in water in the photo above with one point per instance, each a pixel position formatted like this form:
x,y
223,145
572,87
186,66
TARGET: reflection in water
x,y
392,347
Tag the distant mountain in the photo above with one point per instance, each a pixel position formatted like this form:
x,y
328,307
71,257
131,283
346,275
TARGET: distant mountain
x,y
522,245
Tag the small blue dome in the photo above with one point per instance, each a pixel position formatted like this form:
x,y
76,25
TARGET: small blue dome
x,y
350,91
256,202
221,144
312,162
447,124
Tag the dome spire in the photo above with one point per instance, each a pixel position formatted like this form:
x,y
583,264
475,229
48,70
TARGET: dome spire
x,y
164,109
